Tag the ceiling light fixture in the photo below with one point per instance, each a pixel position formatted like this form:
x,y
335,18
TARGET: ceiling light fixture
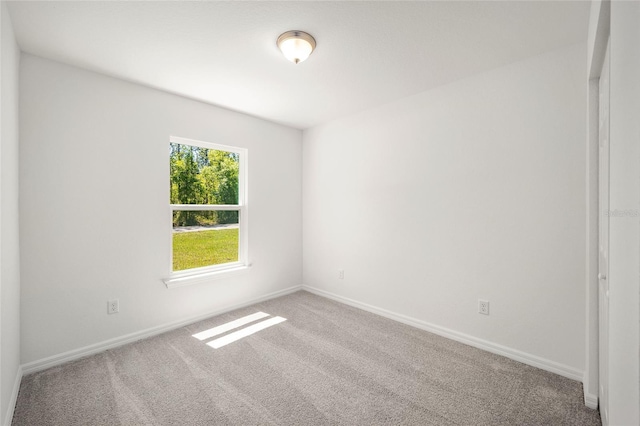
x,y
296,46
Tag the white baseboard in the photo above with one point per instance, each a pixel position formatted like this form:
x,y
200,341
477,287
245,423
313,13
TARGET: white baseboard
x,y
52,361
525,358
14,397
591,400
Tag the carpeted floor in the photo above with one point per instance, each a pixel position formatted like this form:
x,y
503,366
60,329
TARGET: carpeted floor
x,y
327,364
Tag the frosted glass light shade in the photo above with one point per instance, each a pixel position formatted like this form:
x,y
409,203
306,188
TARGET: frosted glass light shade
x,y
296,46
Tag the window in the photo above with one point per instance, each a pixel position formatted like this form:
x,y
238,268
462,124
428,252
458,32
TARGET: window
x,y
208,208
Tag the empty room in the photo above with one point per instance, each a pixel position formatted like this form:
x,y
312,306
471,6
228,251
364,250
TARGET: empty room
x,y
320,213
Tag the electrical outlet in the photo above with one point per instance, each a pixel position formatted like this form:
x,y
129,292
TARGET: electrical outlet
x,y
341,274
483,307
113,306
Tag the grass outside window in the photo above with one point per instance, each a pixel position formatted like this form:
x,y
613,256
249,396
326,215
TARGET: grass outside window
x,y
196,249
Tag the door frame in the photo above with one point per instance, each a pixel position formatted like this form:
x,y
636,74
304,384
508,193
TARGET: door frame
x,y
603,234
599,29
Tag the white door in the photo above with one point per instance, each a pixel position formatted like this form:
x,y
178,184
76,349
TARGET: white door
x,y
603,243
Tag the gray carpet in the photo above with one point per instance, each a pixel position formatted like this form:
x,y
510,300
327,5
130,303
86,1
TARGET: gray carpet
x,y
328,364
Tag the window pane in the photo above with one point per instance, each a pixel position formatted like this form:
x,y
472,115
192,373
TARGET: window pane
x,y
203,176
204,238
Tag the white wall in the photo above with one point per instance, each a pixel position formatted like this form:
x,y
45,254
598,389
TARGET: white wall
x,y
94,206
473,190
624,231
9,241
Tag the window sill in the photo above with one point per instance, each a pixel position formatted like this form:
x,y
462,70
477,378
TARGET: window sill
x,y
201,277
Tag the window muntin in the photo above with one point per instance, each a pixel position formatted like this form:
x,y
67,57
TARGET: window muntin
x,y
208,207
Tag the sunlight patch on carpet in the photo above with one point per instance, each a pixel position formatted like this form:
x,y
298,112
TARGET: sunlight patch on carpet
x,y
215,331
237,335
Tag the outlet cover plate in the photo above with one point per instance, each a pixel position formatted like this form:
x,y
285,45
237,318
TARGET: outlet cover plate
x,y
113,306
483,307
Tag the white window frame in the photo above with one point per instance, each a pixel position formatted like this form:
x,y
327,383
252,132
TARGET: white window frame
x,y
208,273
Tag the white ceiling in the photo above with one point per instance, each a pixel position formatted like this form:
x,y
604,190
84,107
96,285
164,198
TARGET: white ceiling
x,y
224,53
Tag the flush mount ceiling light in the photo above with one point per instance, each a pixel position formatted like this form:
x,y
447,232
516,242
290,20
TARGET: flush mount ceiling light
x,y
296,46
